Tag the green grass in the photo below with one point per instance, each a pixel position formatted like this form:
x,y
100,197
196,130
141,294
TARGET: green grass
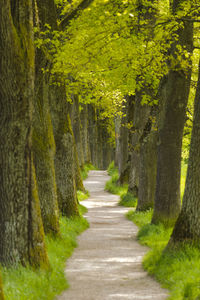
x,y
24,283
86,169
112,186
177,270
82,196
128,200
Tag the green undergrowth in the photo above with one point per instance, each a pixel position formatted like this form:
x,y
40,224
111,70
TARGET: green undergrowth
x,y
128,200
178,270
112,186
82,195
23,283
86,169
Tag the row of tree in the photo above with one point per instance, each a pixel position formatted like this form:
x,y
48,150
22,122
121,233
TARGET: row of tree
x,y
149,149
77,76
141,53
45,139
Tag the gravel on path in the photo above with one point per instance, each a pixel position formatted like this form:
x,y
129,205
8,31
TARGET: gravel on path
x,y
107,265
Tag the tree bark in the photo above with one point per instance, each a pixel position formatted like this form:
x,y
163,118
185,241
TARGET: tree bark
x,y
140,118
147,168
21,230
123,146
187,227
174,96
43,138
84,133
64,157
93,137
76,124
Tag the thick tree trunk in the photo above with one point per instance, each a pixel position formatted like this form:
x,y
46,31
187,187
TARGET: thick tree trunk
x,y
99,143
76,124
123,146
43,138
140,119
174,96
187,227
147,171
77,170
21,230
117,132
64,158
44,152
93,136
84,133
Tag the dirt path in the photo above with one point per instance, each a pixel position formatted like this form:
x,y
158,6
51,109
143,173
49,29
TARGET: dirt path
x,y
107,263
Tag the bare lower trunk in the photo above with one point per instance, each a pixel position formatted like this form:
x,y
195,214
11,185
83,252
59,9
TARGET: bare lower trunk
x,y
147,172
93,136
187,227
84,133
21,230
76,125
140,119
64,157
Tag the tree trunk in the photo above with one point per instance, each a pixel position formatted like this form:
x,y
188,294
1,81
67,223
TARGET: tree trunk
x,y
78,179
44,152
43,138
174,96
64,158
84,133
147,169
123,146
117,131
21,230
140,118
93,137
187,227
76,124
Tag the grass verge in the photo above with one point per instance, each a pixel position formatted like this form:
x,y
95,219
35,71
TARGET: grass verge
x,y
86,169
126,198
82,196
178,270
26,284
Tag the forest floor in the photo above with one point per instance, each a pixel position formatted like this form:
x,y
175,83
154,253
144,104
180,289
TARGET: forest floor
x,y
107,265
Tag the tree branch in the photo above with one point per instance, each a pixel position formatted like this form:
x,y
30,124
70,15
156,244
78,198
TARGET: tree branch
x,y
74,14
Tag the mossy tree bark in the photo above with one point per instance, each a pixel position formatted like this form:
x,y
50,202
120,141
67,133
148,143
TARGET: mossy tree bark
x,y
147,12
64,158
174,96
84,133
140,119
117,131
77,170
76,125
93,136
43,138
123,146
21,230
187,227
148,166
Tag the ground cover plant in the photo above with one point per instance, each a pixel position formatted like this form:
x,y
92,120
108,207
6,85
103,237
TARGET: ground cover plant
x,y
177,269
112,186
86,169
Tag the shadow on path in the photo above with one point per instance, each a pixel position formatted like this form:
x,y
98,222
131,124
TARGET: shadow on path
x,y
107,263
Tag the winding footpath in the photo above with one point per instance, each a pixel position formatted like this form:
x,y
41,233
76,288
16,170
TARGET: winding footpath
x,y
107,265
